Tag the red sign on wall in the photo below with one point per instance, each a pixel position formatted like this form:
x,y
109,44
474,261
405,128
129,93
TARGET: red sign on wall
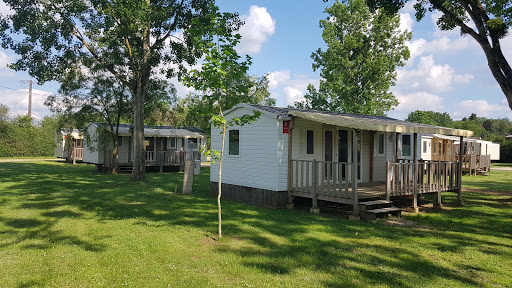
x,y
286,127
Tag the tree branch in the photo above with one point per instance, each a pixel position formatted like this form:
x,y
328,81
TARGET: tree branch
x,y
98,58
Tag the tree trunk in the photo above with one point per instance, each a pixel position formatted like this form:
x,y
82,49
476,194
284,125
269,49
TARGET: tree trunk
x,y
501,71
114,166
220,179
139,158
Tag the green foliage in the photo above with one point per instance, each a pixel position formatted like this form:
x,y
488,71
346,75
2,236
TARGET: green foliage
x,y
431,118
358,67
506,151
197,109
20,138
486,21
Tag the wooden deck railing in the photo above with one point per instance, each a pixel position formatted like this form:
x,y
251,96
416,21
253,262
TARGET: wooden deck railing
x,y
322,178
471,163
410,178
160,158
77,154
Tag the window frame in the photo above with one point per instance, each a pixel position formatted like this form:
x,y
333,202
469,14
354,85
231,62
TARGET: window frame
x,y
411,146
380,136
230,139
308,152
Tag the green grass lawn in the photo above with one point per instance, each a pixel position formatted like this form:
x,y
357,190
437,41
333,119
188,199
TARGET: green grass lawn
x,y
65,225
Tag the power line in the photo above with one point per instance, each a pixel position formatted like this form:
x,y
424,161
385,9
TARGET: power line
x,y
24,90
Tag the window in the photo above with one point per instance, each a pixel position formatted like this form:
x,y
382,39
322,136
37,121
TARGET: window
x,y
79,143
406,145
310,135
120,141
192,143
173,142
424,146
380,144
234,142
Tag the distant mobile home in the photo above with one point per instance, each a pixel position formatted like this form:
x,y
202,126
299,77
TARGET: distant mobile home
x,y
165,145
343,158
69,145
477,154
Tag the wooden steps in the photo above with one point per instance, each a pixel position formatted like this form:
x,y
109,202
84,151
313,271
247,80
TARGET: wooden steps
x,y
371,210
125,169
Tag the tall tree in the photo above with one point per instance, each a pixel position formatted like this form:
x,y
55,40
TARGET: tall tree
x,y
221,79
430,117
358,66
486,21
99,97
131,40
199,107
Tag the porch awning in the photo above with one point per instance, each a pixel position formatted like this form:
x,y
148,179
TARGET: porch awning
x,y
160,132
381,124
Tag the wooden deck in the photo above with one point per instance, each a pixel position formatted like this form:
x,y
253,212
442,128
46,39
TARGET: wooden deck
x,y
364,191
336,181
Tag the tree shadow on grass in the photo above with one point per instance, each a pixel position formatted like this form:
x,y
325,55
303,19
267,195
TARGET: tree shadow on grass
x,y
276,242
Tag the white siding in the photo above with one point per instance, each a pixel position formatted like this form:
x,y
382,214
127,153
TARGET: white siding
x,y
91,153
426,143
259,160
494,150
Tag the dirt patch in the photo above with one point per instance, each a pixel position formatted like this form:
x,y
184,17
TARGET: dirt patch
x,y
208,240
400,222
502,168
504,193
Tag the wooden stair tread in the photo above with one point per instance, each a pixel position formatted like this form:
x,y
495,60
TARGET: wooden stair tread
x,y
384,210
375,202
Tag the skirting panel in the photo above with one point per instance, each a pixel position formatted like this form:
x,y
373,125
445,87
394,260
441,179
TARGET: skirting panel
x,y
253,196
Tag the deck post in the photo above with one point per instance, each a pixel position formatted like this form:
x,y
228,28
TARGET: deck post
x,y
289,205
354,175
459,171
315,208
414,175
388,181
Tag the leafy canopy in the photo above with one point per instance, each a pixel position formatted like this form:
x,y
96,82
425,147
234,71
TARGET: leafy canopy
x,y
358,66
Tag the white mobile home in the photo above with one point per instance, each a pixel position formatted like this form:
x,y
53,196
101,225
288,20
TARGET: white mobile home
x,y
69,145
331,156
165,146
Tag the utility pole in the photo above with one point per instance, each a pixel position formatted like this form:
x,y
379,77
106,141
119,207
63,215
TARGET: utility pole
x,y
29,96
30,99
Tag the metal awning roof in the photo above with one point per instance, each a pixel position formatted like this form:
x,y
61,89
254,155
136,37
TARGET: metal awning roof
x,y
381,124
162,132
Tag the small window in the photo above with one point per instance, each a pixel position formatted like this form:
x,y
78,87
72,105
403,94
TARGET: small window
x,y
120,141
440,148
380,148
192,143
424,146
406,145
310,141
234,142
173,143
79,143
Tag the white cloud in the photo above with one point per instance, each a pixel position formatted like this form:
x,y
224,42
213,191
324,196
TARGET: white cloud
x,y
17,101
416,101
277,78
4,60
482,109
259,25
406,22
427,76
293,94
288,88
430,77
463,78
4,10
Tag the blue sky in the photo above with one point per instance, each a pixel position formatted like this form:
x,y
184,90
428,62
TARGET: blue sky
x,y
446,72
